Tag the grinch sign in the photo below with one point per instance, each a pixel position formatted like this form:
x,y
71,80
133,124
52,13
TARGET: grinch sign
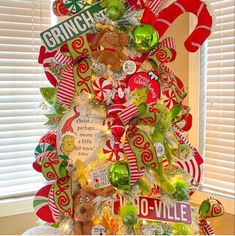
x,y
76,25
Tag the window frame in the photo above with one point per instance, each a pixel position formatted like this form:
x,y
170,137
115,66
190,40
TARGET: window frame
x,y
196,132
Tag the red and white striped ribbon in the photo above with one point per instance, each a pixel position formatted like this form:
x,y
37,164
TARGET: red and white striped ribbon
x,y
154,5
167,43
66,87
62,59
128,113
52,206
135,174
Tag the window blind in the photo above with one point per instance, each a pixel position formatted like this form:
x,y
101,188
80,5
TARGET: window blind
x,y
218,77
21,118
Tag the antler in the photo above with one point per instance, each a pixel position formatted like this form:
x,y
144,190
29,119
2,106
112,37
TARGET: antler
x,y
203,28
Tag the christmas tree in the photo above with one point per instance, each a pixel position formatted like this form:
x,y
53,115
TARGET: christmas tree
x,y
116,157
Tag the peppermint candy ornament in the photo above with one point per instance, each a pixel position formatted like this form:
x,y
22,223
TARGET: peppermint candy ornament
x,y
43,147
41,205
49,137
74,6
59,8
101,87
114,149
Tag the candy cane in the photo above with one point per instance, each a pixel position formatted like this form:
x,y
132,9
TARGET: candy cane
x,y
205,227
203,29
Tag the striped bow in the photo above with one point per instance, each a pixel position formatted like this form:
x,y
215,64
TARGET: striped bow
x,y
77,74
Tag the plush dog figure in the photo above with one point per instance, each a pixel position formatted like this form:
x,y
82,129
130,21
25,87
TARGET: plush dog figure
x,y
84,208
108,48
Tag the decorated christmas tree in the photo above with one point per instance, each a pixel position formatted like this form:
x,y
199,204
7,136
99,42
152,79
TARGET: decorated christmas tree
x,y
116,156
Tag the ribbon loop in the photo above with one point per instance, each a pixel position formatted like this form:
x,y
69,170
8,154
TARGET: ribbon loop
x,y
164,53
77,74
142,147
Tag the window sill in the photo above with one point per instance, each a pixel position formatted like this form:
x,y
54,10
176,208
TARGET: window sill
x,y
16,206
228,203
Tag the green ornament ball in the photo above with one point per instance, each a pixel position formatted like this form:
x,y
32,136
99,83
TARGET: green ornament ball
x,y
119,175
130,220
181,194
129,214
114,13
144,37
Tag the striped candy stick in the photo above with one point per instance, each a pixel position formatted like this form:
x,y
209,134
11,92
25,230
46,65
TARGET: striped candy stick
x,y
154,5
127,114
168,15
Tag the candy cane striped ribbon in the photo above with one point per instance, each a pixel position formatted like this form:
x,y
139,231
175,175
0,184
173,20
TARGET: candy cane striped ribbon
x,y
168,43
66,87
135,174
129,113
155,4
52,206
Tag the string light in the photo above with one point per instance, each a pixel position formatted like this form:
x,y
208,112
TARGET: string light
x,y
144,222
